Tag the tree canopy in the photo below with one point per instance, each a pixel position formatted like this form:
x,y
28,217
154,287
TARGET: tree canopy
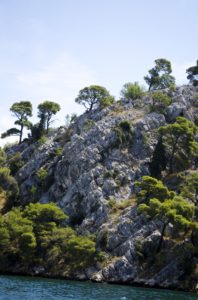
x,y
176,211
159,76
193,74
37,235
21,110
45,112
189,186
93,96
150,187
157,201
180,143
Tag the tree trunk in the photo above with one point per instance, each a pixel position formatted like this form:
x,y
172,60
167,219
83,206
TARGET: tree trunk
x,y
150,85
21,134
91,106
172,156
161,238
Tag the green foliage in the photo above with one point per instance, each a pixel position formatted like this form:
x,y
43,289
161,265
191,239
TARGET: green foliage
x,y
152,188
105,102
21,110
93,96
176,211
33,190
17,227
42,140
46,110
160,101
125,126
193,75
81,251
9,185
158,202
111,202
195,100
180,144
189,187
27,245
15,163
132,91
88,125
37,235
3,200
159,76
10,132
59,151
159,160
41,174
4,237
2,157
37,131
124,133
44,213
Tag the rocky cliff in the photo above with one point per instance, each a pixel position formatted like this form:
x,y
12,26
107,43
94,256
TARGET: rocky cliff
x,y
89,171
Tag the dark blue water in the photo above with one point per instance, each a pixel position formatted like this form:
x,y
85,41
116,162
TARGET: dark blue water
x,y
22,288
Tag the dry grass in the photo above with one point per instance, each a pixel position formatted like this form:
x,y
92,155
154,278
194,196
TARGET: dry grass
x,y
118,207
3,200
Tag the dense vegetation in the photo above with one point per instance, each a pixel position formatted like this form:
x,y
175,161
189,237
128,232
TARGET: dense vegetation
x,y
37,236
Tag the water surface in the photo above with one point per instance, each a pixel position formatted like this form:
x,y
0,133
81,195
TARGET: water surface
x,y
23,288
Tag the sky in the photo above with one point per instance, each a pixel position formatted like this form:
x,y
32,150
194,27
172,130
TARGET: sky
x,y
50,49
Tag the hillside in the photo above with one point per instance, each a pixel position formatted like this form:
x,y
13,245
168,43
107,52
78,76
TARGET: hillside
x,y
89,170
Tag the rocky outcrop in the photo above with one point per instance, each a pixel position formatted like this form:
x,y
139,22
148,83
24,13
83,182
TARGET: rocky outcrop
x,y
96,166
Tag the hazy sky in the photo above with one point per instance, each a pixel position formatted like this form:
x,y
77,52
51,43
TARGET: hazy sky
x,y
50,49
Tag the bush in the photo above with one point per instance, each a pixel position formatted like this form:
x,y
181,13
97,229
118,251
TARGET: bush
x,y
105,102
160,101
132,91
3,199
88,125
119,206
42,140
15,163
123,133
9,185
42,174
195,100
2,156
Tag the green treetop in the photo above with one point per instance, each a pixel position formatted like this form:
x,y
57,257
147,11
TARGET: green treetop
x,y
180,144
176,211
193,74
152,188
45,112
21,110
93,96
157,201
189,187
159,76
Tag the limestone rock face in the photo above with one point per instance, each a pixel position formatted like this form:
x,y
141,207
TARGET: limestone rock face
x,y
97,166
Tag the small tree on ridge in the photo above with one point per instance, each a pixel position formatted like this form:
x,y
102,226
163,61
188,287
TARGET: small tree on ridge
x,y
21,110
159,76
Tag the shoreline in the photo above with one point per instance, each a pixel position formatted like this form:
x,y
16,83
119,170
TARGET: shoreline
x,y
64,278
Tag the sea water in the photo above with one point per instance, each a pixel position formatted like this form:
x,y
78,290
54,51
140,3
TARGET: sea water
x,y
22,288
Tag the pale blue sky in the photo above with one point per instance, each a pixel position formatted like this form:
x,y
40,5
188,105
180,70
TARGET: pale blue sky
x,y
50,49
